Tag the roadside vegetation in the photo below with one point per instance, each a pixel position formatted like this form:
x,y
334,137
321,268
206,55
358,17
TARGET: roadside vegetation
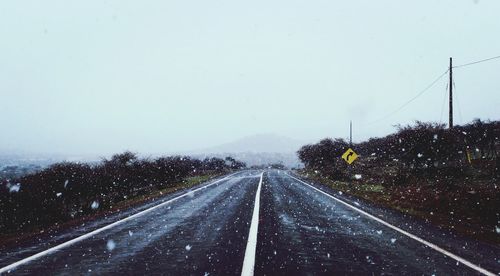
x,y
449,177
67,191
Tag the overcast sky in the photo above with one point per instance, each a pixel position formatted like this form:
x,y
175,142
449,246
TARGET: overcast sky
x,y
96,77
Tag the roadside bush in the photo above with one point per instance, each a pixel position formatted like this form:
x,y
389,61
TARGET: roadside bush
x,y
69,190
422,151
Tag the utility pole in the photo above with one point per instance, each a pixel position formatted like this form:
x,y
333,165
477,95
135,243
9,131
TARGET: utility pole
x,y
350,133
349,169
450,123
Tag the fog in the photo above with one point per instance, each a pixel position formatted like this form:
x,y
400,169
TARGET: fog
x,y
97,77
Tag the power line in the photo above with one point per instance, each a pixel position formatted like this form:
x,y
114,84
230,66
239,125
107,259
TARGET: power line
x,y
475,62
431,85
442,105
411,100
458,103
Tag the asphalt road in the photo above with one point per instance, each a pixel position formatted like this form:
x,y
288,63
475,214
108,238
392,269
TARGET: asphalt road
x,y
217,229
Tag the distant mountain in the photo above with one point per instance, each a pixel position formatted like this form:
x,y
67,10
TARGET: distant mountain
x,y
271,143
261,149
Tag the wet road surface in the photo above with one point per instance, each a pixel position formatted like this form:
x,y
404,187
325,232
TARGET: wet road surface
x,y
300,231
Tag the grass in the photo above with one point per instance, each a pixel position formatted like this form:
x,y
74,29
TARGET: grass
x,y
185,184
366,191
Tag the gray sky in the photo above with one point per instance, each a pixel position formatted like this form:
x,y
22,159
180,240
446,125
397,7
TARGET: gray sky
x,y
96,77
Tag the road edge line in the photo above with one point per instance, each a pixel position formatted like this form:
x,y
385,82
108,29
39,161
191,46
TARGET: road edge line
x,y
408,234
251,248
8,268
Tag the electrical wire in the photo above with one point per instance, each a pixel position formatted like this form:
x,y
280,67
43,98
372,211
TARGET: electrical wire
x,y
458,102
411,100
431,85
476,62
442,104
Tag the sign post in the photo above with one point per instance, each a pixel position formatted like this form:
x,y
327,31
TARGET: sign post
x,y
350,155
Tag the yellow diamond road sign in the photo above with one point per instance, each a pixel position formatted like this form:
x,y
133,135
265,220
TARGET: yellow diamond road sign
x,y
349,156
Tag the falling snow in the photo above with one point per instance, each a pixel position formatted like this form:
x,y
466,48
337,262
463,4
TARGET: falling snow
x,y
14,188
110,245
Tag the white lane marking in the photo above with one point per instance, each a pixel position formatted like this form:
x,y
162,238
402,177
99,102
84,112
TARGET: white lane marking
x,y
429,244
109,226
249,260
246,176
